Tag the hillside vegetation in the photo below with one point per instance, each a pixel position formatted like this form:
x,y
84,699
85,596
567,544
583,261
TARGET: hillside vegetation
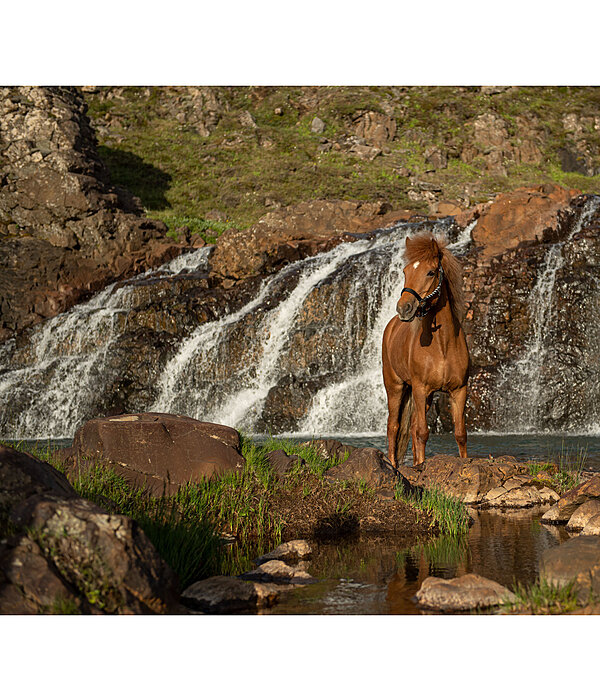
x,y
220,157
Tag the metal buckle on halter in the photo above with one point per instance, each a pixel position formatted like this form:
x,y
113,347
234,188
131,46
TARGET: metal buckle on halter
x,y
422,309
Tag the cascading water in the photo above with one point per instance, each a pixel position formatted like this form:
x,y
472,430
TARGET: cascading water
x,y
361,281
301,355
65,365
523,391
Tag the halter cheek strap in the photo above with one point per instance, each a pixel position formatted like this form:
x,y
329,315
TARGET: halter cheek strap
x,y
423,309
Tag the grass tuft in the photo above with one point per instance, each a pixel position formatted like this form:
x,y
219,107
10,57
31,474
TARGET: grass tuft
x,y
542,598
565,469
449,513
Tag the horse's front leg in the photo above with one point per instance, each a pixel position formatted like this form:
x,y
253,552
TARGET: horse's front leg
x,y
394,395
420,431
458,399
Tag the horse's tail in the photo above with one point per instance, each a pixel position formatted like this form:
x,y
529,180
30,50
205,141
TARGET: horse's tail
x,y
406,410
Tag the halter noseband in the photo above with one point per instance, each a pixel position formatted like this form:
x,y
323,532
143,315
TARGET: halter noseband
x,y
422,309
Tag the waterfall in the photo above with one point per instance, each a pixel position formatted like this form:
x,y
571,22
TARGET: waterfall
x,y
363,279
521,384
357,404
65,367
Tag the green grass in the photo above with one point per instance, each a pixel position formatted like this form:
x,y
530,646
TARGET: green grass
x,y
185,537
207,229
449,513
178,173
187,528
542,598
565,468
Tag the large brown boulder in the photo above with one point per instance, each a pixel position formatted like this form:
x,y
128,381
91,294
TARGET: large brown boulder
x,y
159,450
527,213
63,554
64,230
576,560
492,482
296,232
97,561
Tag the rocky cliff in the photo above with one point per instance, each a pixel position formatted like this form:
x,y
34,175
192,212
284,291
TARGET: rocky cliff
x,y
65,232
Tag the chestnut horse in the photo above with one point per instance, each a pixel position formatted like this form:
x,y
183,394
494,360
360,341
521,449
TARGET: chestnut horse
x,y
424,347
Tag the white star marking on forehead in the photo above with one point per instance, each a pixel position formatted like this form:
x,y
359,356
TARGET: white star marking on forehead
x,y
415,265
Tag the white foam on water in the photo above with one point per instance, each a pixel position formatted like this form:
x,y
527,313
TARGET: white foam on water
x,y
520,384
69,367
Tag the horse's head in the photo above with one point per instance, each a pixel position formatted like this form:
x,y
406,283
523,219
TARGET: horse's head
x,y
423,277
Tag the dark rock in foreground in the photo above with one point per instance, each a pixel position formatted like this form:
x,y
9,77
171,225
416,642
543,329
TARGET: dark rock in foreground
x,y
65,554
158,450
22,476
467,592
493,482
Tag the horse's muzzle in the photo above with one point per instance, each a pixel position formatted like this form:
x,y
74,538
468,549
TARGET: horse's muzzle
x,y
407,310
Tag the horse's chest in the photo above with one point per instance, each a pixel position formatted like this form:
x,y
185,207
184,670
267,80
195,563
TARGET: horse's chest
x,y
441,371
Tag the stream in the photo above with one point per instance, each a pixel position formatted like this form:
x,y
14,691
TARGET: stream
x,y
380,575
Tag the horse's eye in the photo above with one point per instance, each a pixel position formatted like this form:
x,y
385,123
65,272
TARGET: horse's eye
x,y
431,273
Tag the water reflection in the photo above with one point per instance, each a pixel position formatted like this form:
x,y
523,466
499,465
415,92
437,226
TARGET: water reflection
x,y
380,575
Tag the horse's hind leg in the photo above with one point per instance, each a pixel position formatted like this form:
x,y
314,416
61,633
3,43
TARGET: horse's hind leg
x,y
458,399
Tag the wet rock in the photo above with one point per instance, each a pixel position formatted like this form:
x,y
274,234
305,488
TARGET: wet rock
x,y
502,311
492,482
159,450
573,499
584,514
283,463
227,594
287,551
365,464
467,592
275,571
576,560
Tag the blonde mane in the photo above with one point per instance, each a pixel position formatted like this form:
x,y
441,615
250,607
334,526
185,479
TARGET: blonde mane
x,y
427,247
